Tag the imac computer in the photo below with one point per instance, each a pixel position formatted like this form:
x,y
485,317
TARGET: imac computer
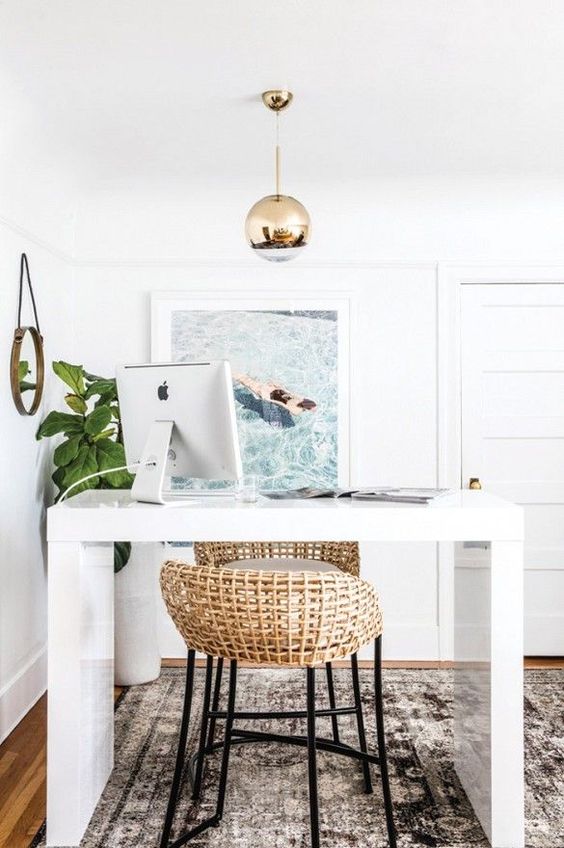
x,y
178,420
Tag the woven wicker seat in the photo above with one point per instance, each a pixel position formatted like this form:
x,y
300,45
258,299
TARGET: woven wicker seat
x,y
299,618
344,555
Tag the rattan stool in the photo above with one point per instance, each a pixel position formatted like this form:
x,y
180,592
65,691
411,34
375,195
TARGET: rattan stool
x,y
273,618
283,556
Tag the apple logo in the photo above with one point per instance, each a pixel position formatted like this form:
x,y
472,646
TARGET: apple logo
x,y
162,391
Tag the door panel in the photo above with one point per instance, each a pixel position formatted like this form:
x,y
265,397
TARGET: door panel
x,y
520,394
525,459
512,407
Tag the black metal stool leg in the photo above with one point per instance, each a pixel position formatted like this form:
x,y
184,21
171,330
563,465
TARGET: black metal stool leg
x,y
332,702
360,722
227,743
382,742
203,730
311,759
181,751
215,699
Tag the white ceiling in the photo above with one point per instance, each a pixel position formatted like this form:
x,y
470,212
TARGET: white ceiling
x,y
167,91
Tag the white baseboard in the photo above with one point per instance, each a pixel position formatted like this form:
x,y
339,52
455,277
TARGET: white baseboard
x,y
406,642
22,691
544,635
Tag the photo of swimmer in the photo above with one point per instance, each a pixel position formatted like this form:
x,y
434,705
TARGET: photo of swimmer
x,y
286,382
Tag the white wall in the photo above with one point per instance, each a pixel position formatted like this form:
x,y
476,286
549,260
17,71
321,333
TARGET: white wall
x,y
36,217
25,476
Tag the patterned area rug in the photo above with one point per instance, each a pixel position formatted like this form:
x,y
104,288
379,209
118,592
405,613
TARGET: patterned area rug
x,y
267,802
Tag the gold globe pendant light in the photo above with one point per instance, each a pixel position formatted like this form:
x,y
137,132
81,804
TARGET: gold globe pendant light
x,y
278,227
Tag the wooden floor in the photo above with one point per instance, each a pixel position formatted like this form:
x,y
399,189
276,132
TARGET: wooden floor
x,y
22,763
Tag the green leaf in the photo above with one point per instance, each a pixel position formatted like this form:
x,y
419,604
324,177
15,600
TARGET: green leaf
x,y
106,399
77,404
58,478
127,481
60,422
72,375
84,464
112,455
105,434
122,552
23,371
93,483
98,420
67,451
101,387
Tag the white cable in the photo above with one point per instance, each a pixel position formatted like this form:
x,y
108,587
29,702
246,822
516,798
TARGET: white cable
x,y
100,473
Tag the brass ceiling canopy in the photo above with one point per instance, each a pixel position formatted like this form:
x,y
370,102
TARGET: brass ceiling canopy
x,y
277,99
277,226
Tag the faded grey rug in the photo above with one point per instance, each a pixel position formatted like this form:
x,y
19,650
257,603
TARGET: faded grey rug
x,y
267,801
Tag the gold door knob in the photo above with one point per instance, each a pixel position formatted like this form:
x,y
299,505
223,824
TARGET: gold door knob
x,y
474,483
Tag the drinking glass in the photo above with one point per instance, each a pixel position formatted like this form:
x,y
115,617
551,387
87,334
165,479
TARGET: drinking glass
x,y
247,488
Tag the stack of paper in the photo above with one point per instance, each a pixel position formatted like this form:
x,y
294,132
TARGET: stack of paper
x,y
416,496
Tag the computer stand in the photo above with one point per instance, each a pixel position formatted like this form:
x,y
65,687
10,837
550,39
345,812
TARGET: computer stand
x,y
148,484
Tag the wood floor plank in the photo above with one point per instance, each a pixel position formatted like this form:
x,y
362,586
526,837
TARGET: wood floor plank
x,y
31,820
6,762
544,662
16,806
22,747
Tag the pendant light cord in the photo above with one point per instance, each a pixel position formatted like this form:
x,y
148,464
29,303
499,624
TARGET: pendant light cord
x,y
277,154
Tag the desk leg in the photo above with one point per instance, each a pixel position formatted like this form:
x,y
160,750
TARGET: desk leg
x,y
488,689
80,685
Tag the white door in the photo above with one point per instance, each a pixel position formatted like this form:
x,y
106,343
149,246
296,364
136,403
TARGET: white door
x,y
512,367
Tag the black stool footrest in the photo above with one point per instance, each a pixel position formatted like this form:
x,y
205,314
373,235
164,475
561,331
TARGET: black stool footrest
x,y
241,736
322,744
251,716
213,821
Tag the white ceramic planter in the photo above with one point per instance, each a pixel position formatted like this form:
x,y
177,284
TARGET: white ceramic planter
x,y
137,656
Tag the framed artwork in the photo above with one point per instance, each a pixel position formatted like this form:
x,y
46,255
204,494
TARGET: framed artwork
x,y
290,362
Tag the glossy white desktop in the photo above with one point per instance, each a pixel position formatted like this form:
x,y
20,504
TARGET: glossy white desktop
x,y
488,580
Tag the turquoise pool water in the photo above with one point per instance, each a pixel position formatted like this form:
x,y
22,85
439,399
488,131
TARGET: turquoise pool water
x,y
298,350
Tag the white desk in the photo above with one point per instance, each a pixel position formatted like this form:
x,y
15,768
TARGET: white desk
x,y
488,580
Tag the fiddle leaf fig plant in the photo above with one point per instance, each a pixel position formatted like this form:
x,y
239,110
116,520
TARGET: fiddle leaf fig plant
x,y
23,371
93,439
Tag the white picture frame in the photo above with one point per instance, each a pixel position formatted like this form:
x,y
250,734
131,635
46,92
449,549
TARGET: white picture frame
x,y
165,304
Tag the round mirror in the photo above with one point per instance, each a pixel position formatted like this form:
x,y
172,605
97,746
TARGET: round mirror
x,y
27,370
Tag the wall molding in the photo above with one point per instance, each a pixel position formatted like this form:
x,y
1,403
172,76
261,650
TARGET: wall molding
x,y
45,245
445,265
22,691
247,264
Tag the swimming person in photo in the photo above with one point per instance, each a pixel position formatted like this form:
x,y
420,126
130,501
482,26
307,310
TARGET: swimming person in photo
x,y
276,394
